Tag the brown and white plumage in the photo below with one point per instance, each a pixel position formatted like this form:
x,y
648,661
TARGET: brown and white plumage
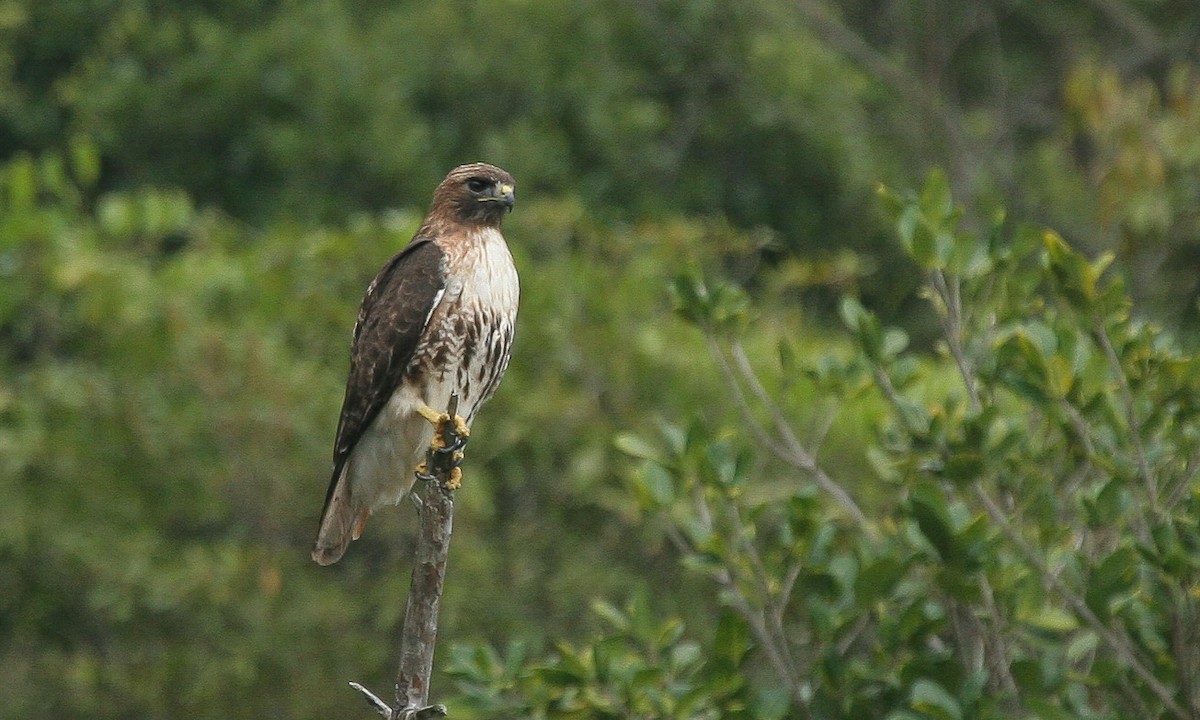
x,y
437,319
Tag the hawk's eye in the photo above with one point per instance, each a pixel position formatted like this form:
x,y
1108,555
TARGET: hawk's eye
x,y
477,185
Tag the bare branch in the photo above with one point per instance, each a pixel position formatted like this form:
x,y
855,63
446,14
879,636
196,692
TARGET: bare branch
x,y
373,700
772,611
418,634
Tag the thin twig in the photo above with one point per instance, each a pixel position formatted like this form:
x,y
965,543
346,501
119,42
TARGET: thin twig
x,y
791,450
1118,642
727,578
1135,427
1083,434
761,436
762,579
1190,470
952,325
785,589
373,700
997,635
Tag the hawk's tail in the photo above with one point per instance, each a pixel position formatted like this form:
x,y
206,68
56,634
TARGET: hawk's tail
x,y
341,522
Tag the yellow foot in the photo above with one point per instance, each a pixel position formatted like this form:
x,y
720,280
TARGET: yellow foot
x,y
453,482
433,416
438,420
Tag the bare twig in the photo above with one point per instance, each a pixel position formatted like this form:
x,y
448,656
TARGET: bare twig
x,y
1084,435
997,636
784,444
418,634
374,700
774,645
772,611
953,321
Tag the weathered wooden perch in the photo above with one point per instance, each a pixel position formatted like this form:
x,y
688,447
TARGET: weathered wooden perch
x,y
435,499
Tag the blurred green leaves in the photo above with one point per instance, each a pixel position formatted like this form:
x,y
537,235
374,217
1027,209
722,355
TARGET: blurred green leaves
x,y
638,666
694,177
721,308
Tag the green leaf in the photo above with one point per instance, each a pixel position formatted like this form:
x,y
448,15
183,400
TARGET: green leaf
x,y
924,246
608,612
1076,278
1060,376
557,676
936,202
895,341
771,703
1052,619
720,307
927,503
877,580
932,699
1082,645
914,417
963,466
635,446
654,485
864,325
732,641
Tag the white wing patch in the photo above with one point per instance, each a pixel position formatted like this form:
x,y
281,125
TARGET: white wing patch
x,y
437,300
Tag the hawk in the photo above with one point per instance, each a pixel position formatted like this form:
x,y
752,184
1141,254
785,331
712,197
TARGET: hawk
x,y
437,319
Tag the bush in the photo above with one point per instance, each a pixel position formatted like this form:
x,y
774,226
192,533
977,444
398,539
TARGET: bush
x,y
1024,543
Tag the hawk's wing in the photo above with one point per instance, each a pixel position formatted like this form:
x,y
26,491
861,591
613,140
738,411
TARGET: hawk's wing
x,y
392,318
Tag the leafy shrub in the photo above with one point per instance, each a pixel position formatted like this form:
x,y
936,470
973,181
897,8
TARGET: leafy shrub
x,y
1024,542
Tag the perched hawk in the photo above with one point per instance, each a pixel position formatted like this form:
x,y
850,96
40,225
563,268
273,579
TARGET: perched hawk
x,y
437,319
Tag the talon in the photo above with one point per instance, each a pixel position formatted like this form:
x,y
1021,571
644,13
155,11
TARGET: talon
x,y
459,443
458,432
422,473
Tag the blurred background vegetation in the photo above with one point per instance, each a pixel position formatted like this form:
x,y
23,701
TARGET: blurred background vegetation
x,y
193,196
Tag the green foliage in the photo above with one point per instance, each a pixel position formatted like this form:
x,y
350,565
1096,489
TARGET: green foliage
x,y
169,383
1034,550
638,667
902,459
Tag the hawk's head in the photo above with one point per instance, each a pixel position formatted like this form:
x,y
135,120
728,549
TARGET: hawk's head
x,y
475,194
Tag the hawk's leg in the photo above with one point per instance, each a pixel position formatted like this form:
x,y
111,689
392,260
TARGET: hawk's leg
x,y
453,482
445,450
459,432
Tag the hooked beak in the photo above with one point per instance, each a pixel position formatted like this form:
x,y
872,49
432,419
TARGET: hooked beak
x,y
506,196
